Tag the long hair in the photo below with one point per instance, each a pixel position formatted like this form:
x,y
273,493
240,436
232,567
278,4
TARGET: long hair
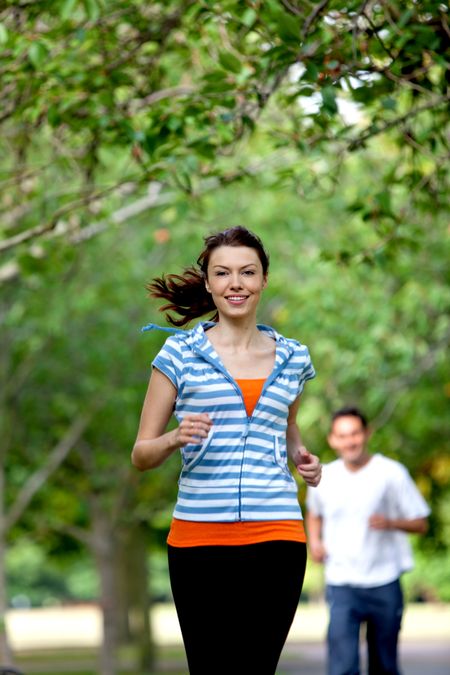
x,y
186,293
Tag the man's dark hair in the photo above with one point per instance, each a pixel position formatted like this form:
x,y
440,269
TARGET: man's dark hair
x,y
350,411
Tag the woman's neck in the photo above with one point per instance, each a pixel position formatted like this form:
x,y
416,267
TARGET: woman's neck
x,y
235,336
244,350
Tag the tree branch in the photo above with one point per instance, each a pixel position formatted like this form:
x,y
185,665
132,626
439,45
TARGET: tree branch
x,y
291,8
54,460
403,384
155,96
374,130
312,17
84,536
39,230
154,198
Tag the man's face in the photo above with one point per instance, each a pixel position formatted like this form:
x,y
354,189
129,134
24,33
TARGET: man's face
x,y
348,438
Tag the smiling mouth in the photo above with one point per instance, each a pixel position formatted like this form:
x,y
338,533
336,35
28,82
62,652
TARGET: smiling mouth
x,y
236,298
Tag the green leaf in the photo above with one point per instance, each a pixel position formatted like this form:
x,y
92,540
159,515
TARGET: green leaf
x,y
37,54
383,200
305,91
363,94
311,73
67,9
230,62
405,17
389,103
92,9
3,34
248,122
287,26
249,17
329,104
53,116
217,84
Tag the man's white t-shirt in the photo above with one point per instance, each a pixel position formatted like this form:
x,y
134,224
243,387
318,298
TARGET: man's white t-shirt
x,y
356,554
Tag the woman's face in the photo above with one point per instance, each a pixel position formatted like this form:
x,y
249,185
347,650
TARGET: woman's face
x,y
235,280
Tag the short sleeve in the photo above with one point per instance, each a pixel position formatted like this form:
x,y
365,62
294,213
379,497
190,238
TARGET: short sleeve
x,y
308,372
313,501
409,501
169,361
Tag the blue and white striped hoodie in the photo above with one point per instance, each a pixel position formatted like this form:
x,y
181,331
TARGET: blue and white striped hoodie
x,y
239,472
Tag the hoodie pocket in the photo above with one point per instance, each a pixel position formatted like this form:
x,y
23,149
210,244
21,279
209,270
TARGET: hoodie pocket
x,y
281,458
192,461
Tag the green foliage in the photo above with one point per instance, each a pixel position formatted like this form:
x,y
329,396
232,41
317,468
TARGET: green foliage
x,y
35,579
322,127
377,334
169,91
429,581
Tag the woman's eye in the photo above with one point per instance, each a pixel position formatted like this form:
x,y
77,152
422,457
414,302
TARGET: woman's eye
x,y
249,273
220,274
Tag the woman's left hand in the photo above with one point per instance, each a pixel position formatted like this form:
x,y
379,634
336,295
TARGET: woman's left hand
x,y
309,467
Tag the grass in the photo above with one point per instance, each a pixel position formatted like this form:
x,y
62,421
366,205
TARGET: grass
x,y
84,662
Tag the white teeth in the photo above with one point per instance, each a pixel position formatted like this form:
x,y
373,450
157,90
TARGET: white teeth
x,y
236,297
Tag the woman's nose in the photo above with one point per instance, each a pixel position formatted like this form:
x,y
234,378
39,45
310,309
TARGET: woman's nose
x,y
236,281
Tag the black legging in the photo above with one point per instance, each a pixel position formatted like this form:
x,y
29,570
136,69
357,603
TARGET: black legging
x,y
235,604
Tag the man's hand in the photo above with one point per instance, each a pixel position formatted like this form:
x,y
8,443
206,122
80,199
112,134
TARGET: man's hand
x,y
379,522
317,550
413,525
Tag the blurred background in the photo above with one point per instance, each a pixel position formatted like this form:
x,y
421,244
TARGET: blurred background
x,y
129,131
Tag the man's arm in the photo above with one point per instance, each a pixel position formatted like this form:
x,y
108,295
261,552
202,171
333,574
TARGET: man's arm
x,y
314,532
411,507
412,526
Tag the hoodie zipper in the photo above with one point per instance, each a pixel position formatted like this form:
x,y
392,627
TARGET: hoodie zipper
x,y
216,363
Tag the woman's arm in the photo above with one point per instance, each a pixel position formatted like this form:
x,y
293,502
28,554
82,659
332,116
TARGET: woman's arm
x,y
308,465
153,444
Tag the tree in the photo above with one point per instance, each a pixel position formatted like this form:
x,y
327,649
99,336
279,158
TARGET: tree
x,y
171,91
113,108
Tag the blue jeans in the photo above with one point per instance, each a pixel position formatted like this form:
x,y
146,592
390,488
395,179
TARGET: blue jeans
x,y
381,607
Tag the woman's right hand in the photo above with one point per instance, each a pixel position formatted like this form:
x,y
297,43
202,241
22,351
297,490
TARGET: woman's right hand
x,y
193,428
154,444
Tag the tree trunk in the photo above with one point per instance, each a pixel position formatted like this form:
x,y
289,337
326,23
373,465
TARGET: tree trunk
x,y
104,551
134,595
6,657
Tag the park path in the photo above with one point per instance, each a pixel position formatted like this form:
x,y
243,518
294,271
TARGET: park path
x,y
416,658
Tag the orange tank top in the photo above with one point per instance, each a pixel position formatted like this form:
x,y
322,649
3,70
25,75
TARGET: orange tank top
x,y
184,533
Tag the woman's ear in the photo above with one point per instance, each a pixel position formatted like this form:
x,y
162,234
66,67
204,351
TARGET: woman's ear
x,y
207,286
264,284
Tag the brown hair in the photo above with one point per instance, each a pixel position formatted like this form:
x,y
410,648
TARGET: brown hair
x,y
186,293
350,411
